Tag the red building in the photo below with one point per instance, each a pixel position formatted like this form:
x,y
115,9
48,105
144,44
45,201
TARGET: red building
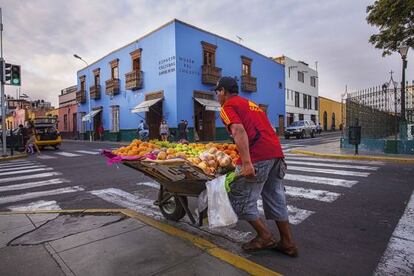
x,y
68,107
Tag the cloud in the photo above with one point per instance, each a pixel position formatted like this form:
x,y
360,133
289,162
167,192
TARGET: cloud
x,y
43,35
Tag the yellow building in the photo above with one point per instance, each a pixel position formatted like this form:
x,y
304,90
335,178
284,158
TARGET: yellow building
x,y
331,113
54,112
9,122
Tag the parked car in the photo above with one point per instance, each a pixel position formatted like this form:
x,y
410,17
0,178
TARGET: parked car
x,y
46,132
301,129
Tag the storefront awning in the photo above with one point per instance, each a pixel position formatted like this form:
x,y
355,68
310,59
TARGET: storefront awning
x,y
209,104
90,115
145,105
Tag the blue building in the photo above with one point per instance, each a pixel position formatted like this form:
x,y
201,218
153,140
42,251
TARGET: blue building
x,y
168,74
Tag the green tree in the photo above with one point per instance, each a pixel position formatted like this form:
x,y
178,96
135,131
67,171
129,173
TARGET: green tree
x,y
395,20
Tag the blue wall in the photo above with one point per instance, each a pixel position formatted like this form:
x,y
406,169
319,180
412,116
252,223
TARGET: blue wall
x,y
156,47
179,41
228,58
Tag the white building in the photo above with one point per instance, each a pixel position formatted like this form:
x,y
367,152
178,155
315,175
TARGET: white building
x,y
301,90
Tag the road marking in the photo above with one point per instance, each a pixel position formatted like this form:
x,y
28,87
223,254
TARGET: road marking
x,y
44,156
32,176
398,258
87,152
307,158
368,168
33,184
40,205
21,168
21,197
149,184
6,165
321,180
296,215
319,195
67,154
146,207
328,171
26,171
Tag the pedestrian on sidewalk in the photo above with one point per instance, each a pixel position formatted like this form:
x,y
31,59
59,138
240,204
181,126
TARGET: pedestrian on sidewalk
x,y
143,131
100,131
164,130
262,167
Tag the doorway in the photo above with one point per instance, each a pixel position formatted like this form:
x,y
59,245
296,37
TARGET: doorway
x,y
281,125
333,121
325,121
97,122
204,120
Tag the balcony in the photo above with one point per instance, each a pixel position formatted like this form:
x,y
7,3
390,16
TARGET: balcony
x,y
210,74
134,80
249,84
112,87
95,92
81,96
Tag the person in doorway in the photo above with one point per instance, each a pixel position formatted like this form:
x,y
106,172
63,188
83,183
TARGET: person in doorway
x,y
319,128
261,167
22,132
100,131
182,130
164,130
143,131
31,134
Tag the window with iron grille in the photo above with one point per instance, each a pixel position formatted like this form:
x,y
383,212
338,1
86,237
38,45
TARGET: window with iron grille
x,y
309,102
287,94
115,118
316,103
301,76
65,122
297,99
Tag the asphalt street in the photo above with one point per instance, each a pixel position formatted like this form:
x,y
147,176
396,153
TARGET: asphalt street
x,y
343,212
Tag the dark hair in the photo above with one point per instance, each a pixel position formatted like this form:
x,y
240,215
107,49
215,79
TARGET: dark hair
x,y
20,125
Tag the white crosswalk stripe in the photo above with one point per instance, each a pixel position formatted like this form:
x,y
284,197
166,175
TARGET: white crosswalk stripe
x,y
17,178
327,171
321,180
87,152
21,168
67,154
20,197
45,157
319,164
307,158
319,195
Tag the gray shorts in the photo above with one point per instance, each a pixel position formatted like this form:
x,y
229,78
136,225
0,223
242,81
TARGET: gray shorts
x,y
245,193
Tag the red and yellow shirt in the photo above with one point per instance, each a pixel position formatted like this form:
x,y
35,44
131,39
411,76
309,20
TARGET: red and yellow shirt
x,y
263,141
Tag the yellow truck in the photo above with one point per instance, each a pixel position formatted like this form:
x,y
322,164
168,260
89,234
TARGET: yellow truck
x,y
46,132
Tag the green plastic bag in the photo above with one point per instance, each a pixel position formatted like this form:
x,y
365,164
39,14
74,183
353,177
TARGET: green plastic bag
x,y
229,179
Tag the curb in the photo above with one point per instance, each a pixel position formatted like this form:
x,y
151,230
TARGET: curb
x,y
14,157
212,249
354,157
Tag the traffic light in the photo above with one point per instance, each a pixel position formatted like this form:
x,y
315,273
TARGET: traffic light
x,y
15,75
7,72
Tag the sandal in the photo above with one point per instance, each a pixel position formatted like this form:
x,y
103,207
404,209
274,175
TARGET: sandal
x,y
258,243
289,251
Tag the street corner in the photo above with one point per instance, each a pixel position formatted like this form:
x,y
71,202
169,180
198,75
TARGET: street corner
x,y
76,239
13,157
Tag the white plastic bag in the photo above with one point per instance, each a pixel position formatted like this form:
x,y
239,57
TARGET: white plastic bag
x,y
220,212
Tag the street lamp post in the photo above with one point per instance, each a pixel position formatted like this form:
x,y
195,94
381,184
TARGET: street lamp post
x,y
403,52
89,94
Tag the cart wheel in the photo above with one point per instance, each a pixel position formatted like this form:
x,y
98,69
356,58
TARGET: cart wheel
x,y
172,208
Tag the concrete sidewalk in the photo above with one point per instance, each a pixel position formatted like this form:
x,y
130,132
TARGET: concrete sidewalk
x,y
333,150
82,242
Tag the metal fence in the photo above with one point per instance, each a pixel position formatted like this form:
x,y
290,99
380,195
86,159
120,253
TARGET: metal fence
x,y
377,110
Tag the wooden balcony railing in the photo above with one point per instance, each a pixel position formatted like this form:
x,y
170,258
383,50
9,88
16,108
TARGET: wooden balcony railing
x,y
112,87
134,80
210,74
95,92
249,83
81,96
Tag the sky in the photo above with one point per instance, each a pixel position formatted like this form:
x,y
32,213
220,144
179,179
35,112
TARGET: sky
x,y
43,35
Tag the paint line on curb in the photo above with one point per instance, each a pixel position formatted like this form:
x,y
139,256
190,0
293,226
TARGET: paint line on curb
x,y
355,157
212,249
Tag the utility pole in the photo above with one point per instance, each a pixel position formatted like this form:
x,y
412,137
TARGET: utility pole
x,y
3,100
